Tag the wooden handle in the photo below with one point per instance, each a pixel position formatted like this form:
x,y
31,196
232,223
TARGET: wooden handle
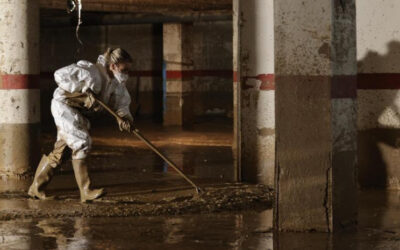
x,y
137,133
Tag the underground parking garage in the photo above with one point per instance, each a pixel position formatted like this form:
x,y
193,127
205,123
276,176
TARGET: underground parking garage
x,y
140,124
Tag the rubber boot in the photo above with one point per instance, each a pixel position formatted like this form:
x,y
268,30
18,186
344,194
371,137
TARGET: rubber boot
x,y
83,180
43,174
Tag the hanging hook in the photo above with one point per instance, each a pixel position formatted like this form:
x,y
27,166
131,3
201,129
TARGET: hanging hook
x,y
73,5
79,21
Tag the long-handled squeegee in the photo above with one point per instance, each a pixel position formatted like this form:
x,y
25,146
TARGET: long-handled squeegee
x,y
137,133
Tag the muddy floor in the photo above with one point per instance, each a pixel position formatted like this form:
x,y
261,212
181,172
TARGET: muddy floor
x,y
138,182
175,201
379,228
149,206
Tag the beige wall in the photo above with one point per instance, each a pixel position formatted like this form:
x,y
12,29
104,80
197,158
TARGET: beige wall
x,y
378,54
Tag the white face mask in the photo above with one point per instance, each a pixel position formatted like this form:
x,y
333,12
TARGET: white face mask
x,y
121,77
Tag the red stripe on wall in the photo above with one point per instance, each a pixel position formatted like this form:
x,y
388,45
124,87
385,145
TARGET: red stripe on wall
x,y
364,81
19,82
171,74
182,74
136,73
378,81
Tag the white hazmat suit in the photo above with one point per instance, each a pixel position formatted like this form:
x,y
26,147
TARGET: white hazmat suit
x,y
72,126
77,83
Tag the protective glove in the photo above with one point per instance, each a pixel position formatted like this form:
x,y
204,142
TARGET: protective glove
x,y
90,101
91,98
125,125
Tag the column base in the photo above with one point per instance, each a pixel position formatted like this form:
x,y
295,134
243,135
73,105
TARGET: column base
x,y
19,150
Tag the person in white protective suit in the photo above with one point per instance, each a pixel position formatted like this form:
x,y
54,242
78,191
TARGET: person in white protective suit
x,y
77,85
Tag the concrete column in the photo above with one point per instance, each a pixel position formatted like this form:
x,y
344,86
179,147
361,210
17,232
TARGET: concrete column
x,y
254,28
19,87
315,58
178,106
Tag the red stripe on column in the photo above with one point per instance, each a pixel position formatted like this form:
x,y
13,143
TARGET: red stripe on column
x,y
267,81
19,82
175,74
344,86
378,81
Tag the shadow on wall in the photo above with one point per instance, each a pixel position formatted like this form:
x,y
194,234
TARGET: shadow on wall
x,y
379,119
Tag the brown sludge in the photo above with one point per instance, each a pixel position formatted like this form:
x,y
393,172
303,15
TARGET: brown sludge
x,y
228,197
138,182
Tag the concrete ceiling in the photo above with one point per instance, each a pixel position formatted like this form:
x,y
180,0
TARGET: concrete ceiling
x,y
144,6
116,12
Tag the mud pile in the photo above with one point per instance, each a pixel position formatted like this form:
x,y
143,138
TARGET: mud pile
x,y
227,197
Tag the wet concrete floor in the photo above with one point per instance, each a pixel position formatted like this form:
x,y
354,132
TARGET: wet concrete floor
x,y
148,206
379,221
203,152
138,182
